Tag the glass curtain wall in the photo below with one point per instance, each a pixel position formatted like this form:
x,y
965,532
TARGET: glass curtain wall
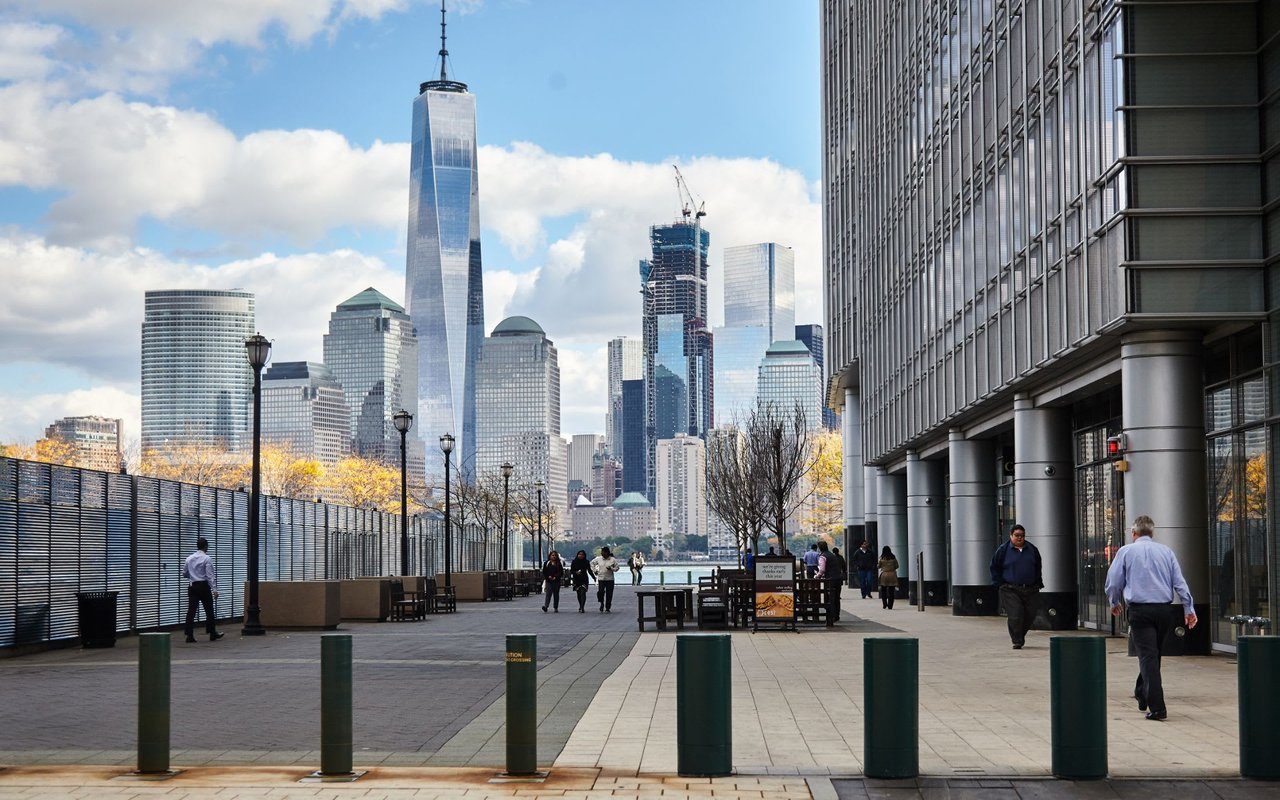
x,y
1236,411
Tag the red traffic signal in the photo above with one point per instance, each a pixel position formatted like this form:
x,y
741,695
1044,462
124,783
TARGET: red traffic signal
x,y
1116,445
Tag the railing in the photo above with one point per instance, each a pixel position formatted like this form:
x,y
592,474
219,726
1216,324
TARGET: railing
x,y
65,530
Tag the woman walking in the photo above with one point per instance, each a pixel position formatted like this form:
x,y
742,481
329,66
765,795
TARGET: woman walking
x,y
888,577
604,567
580,574
553,576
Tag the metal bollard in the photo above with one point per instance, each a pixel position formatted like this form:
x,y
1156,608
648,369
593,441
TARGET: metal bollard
x,y
920,581
891,703
1078,706
153,702
662,579
1257,664
688,577
522,704
335,704
704,704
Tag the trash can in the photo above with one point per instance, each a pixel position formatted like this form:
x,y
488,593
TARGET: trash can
x,y
97,618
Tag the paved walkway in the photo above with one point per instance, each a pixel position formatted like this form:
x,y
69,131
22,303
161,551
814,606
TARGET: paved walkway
x,y
429,713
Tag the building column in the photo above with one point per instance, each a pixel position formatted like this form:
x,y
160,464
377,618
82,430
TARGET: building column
x,y
871,504
1043,495
891,521
853,475
926,529
1163,406
973,525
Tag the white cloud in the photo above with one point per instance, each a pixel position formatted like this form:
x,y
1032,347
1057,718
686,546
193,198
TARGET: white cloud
x,y
584,382
138,45
23,49
23,418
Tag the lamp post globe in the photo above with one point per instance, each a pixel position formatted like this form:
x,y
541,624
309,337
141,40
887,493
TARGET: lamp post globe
x,y
539,486
257,349
403,421
446,447
507,469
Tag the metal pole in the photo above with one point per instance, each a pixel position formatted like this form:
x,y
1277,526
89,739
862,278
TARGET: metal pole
x,y
153,702
522,704
506,497
539,564
404,508
448,528
891,699
704,705
1078,706
335,704
252,623
920,581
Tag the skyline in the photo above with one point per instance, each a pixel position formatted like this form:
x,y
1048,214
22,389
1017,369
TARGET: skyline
x,y
228,150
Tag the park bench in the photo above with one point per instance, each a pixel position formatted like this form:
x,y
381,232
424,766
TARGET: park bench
x,y
405,605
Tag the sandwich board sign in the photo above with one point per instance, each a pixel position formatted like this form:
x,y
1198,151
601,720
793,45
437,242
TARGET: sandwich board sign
x,y
775,592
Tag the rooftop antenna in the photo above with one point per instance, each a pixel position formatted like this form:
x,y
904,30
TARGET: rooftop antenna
x,y
444,51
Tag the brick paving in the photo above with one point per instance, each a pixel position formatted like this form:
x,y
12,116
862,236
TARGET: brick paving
x,y
429,713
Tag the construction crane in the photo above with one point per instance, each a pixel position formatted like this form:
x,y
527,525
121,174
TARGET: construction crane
x,y
687,201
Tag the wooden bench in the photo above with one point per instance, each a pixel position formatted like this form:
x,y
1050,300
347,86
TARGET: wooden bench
x,y
667,604
406,606
816,600
713,609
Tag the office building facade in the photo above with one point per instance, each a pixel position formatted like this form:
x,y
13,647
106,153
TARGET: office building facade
x,y
626,363
98,441
633,436
760,288
682,483
582,451
444,287
305,411
370,350
197,385
677,343
518,409
789,380
813,339
1045,226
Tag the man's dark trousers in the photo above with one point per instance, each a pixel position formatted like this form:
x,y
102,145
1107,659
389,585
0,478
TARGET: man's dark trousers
x,y
866,582
1021,604
1149,624
199,592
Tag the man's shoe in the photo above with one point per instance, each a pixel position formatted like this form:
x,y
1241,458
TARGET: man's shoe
x,y
191,640
1158,716
602,607
1017,647
544,609
1142,704
213,637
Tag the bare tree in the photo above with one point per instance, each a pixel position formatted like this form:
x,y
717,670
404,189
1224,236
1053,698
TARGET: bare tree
x,y
783,452
734,490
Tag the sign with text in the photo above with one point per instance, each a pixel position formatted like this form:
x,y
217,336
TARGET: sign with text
x,y
775,580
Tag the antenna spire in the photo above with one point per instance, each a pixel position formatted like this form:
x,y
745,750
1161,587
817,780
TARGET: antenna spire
x,y
444,51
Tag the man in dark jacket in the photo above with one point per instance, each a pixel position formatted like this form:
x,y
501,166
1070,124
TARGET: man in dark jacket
x,y
864,562
1015,571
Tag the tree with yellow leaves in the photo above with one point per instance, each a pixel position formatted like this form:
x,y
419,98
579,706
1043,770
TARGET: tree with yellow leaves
x,y
286,474
48,451
825,509
200,464
363,483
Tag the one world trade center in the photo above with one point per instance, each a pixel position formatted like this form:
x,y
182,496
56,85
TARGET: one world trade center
x,y
444,291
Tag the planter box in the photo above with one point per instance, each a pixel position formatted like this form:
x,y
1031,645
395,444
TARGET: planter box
x,y
366,599
469,586
298,604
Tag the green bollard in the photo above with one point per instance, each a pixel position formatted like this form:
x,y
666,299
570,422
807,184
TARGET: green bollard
x,y
662,579
688,577
1257,665
891,707
153,702
704,705
522,704
335,704
1078,706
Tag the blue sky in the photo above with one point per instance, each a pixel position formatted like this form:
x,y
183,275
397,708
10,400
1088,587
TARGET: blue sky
x,y
155,145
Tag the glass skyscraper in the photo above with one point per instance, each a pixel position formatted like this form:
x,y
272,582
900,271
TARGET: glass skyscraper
x,y
196,381
304,409
626,363
813,339
371,351
760,289
443,281
789,379
677,343
737,370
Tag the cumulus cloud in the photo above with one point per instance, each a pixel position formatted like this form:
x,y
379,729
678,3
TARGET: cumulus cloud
x,y
83,309
23,418
138,45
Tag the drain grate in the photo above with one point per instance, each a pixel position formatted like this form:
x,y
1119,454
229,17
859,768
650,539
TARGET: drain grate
x,y
969,771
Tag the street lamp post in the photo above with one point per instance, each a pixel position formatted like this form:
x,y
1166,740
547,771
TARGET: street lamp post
x,y
506,497
539,486
403,421
446,447
257,348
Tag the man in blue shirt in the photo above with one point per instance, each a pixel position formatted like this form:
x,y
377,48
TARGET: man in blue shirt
x,y
1015,571
1145,576
811,561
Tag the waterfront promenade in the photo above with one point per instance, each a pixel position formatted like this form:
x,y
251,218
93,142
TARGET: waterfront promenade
x,y
429,712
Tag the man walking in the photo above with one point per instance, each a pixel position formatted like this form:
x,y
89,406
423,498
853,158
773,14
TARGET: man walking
x,y
203,589
1015,571
1145,576
864,561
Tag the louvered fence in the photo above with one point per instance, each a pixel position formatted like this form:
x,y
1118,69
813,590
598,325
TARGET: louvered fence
x,y
65,530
